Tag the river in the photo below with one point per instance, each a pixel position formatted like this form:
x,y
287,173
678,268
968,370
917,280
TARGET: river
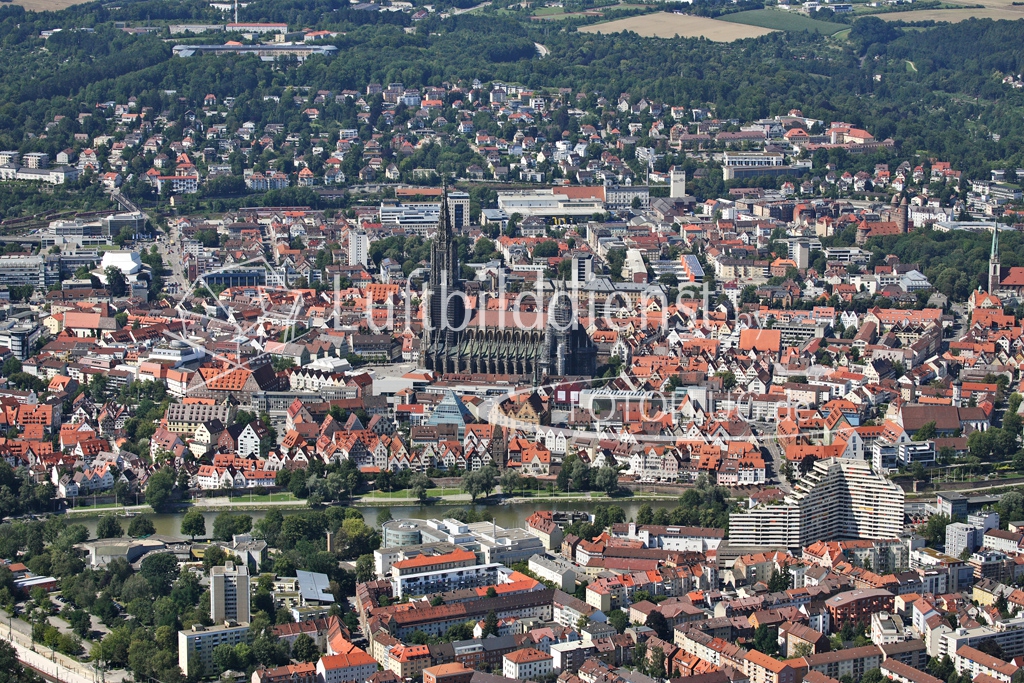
x,y
169,524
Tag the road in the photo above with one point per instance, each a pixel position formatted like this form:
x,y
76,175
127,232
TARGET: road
x,y
776,455
171,253
541,50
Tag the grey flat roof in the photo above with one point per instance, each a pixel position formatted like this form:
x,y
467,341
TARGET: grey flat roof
x,y
313,586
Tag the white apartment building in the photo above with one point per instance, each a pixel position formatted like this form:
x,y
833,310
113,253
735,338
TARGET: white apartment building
x,y
838,499
558,572
526,664
886,629
358,248
195,647
974,662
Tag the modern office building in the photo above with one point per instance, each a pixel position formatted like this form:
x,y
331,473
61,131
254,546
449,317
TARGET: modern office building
x,y
838,499
418,217
560,202
19,337
229,593
427,574
21,269
458,208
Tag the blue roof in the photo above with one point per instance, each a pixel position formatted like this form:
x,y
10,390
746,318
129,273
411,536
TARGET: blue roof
x,y
693,265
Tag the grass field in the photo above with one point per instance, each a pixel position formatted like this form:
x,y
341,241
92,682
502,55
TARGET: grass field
x,y
665,25
783,21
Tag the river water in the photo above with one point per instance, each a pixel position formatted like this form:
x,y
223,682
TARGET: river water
x,y
504,515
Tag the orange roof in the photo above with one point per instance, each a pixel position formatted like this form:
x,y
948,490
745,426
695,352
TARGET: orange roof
x,y
526,655
429,561
405,653
353,658
760,340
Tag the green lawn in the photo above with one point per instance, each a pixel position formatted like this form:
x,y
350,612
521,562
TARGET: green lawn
x,y
783,21
276,498
403,493
548,11
101,506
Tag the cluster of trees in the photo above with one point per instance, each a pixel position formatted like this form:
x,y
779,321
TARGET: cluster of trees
x,y
320,484
20,495
481,482
706,504
145,609
304,532
956,262
577,475
604,516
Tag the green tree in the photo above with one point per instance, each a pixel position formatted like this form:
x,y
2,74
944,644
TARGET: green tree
x,y
619,619
607,480
304,649
109,527
510,481
11,668
117,284
935,529
224,658
926,432
11,366
420,484
545,249
779,581
766,640
228,524
640,656
364,569
656,662
480,483
490,624
193,524
160,570
141,526
645,515
159,488
213,556
656,621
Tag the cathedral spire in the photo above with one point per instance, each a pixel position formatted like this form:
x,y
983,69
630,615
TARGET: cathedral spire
x,y
995,271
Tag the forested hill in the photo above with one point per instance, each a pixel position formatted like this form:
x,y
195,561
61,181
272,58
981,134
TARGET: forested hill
x,y
949,107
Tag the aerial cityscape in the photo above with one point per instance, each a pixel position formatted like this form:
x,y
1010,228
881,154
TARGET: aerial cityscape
x,y
575,341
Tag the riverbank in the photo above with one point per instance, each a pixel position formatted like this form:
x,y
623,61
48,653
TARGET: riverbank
x,y
375,501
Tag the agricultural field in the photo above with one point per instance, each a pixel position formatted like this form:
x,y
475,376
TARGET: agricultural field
x,y
47,5
994,10
666,25
783,21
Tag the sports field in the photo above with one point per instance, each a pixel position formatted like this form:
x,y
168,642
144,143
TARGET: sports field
x,y
666,25
783,21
